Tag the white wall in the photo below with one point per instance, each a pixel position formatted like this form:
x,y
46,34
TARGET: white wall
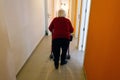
x,y
7,71
25,21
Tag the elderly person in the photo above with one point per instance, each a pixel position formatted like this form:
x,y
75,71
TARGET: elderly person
x,y
61,28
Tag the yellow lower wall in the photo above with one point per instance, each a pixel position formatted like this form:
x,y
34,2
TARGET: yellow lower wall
x,y
102,59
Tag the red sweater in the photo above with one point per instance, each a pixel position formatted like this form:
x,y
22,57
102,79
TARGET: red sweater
x,y
61,27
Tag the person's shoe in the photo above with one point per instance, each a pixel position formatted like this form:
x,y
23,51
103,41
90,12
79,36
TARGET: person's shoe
x,y
68,57
56,65
63,63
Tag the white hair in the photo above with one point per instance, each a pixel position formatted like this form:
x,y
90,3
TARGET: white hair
x,y
61,13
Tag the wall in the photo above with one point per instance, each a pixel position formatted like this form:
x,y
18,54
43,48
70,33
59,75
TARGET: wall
x,y
7,71
102,59
78,18
74,13
26,27
56,7
50,11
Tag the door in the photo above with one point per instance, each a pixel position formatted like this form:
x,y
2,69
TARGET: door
x,y
84,24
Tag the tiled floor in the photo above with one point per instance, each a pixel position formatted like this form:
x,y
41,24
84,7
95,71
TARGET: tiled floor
x,y
40,67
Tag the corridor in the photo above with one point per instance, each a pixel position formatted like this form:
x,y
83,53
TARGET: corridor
x,y
40,67
25,50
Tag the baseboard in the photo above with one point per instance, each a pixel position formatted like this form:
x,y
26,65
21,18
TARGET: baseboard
x,y
84,73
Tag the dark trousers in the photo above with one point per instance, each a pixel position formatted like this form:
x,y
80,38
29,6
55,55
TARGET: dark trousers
x,y
60,46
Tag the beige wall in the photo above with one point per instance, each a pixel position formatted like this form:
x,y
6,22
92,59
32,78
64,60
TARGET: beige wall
x,y
78,18
56,7
50,13
25,24
7,71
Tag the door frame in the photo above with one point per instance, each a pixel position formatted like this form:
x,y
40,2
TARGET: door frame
x,y
85,13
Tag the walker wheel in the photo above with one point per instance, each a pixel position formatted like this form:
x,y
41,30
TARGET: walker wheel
x,y
51,56
68,56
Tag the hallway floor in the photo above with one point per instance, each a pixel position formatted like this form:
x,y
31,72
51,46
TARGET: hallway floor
x,y
40,67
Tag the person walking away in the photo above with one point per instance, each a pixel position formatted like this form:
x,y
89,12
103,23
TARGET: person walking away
x,y
61,28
